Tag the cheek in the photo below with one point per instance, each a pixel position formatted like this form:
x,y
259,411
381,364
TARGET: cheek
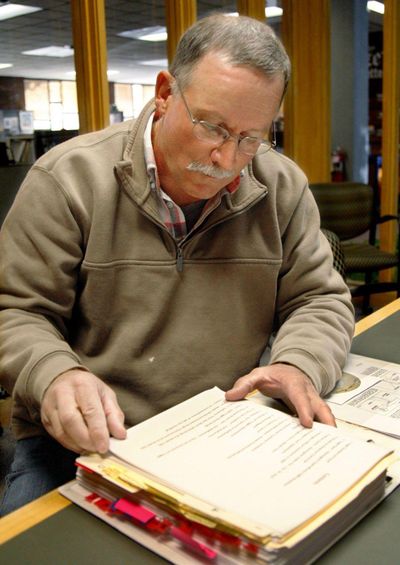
x,y
179,138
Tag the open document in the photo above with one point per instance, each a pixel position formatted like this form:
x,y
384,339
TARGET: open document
x,y
242,470
368,394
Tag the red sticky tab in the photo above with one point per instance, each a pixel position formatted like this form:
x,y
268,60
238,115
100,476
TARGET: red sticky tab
x,y
92,497
194,545
158,526
103,504
228,539
136,511
77,464
251,548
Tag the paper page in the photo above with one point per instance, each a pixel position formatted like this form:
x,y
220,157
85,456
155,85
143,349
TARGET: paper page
x,y
248,460
368,394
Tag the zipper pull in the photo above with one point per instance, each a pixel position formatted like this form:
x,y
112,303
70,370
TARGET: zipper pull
x,y
179,260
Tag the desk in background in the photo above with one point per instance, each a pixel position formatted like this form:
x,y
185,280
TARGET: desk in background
x,y
52,530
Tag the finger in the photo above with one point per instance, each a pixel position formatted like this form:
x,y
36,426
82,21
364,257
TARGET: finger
x,y
300,397
91,408
114,415
305,413
309,406
324,414
242,387
55,429
73,426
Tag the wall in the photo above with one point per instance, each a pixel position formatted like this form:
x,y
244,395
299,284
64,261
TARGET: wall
x,y
349,59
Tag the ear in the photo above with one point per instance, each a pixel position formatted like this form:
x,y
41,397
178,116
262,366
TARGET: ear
x,y
163,92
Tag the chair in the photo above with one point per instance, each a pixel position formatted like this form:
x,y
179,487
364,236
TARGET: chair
x,y
11,177
337,251
349,210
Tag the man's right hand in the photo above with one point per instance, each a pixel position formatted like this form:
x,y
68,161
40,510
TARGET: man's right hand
x,y
81,412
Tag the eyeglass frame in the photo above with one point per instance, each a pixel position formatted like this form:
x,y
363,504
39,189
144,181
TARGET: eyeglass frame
x,y
267,144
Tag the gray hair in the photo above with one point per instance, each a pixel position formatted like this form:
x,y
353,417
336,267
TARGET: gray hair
x,y
240,40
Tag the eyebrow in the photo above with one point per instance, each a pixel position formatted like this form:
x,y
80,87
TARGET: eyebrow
x,y
214,118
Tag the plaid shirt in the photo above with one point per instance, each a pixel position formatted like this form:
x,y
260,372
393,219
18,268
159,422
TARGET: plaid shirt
x,y
170,213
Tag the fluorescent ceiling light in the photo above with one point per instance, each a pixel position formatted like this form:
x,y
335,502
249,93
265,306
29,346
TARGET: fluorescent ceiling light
x,y
273,11
153,33
5,65
270,12
109,73
13,10
378,7
155,63
51,51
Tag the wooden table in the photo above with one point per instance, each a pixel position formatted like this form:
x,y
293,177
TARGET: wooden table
x,y
385,518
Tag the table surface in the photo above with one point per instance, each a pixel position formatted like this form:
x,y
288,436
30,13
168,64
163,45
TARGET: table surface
x,y
378,532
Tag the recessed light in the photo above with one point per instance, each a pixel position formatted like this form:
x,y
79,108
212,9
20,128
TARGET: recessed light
x,y
5,65
378,7
111,73
13,10
152,33
51,51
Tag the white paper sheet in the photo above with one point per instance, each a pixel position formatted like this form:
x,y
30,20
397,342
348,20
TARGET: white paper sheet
x,y
368,395
247,459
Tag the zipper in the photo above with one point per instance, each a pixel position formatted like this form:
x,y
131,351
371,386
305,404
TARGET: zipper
x,y
179,259
179,246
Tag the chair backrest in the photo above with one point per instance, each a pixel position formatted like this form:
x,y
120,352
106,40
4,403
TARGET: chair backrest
x,y
337,252
346,208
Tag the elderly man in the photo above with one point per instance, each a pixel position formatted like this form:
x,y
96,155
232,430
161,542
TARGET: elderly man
x,y
154,259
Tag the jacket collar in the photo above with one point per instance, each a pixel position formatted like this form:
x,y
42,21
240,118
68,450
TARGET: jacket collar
x,y
132,173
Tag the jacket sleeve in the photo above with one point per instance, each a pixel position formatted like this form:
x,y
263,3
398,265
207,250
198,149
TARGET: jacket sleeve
x,y
315,316
41,252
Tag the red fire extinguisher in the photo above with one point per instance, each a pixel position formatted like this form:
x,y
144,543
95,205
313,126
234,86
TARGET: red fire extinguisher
x,y
338,165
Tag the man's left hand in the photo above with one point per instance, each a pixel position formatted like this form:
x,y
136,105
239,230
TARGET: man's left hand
x,y
289,384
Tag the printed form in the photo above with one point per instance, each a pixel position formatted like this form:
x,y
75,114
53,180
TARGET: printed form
x,y
247,460
368,394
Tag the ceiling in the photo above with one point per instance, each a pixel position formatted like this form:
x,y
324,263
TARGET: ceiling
x,y
52,26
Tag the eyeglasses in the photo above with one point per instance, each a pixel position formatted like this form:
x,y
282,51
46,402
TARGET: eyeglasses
x,y
216,135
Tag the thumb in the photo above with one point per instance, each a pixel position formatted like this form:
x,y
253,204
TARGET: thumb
x,y
240,390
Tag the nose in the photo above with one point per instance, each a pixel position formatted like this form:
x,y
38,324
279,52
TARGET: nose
x,y
225,155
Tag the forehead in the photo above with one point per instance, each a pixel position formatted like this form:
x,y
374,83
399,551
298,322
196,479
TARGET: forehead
x,y
243,94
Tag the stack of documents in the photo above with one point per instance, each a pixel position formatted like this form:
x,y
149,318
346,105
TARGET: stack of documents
x,y
232,482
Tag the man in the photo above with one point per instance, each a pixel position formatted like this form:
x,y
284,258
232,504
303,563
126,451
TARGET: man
x,y
152,260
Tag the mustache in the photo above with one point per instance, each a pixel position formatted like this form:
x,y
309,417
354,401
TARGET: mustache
x,y
210,170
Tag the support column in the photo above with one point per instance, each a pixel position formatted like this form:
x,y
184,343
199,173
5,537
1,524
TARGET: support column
x,y
307,109
390,121
179,16
90,47
252,8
